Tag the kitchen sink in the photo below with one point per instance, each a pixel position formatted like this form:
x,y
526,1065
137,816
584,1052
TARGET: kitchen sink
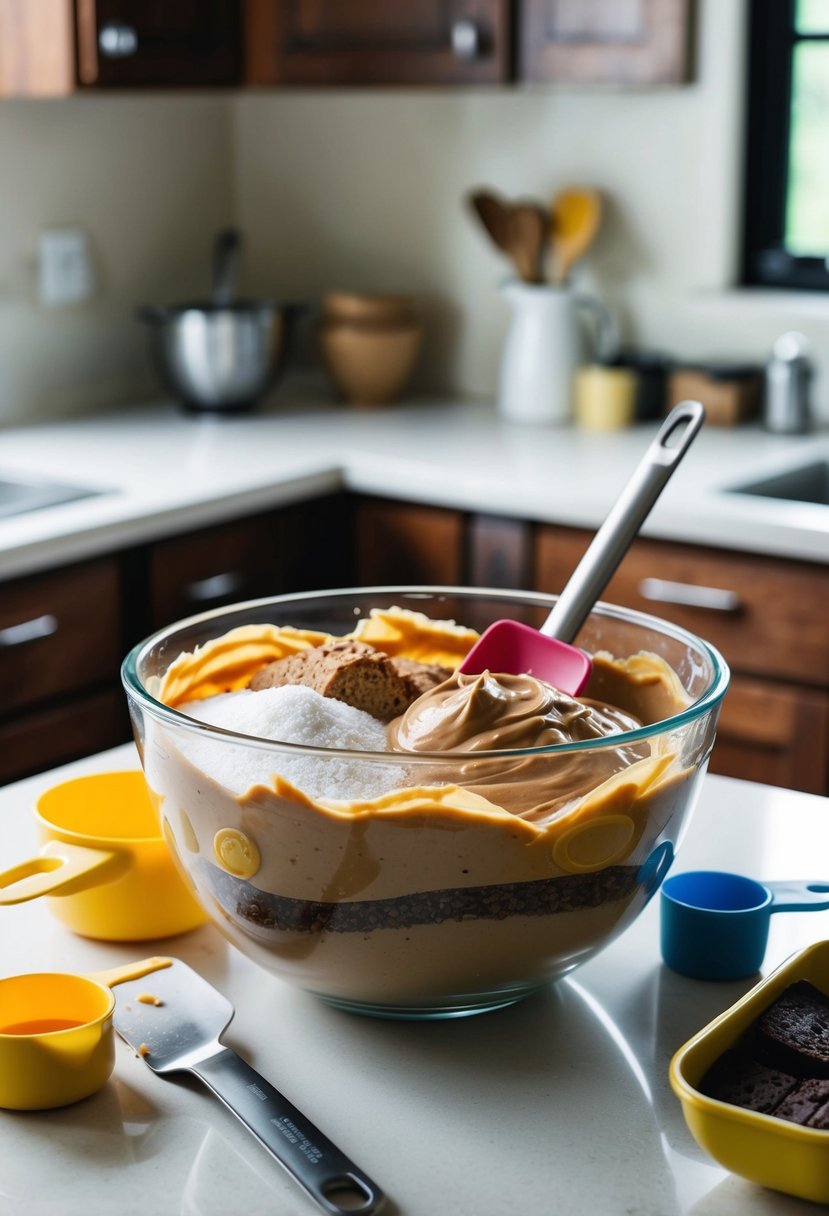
x,y
19,495
807,483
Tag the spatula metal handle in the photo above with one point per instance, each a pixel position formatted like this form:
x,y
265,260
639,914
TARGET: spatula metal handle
x,y
332,1181
626,516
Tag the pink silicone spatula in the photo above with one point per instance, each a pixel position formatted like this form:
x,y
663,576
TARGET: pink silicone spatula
x,y
546,653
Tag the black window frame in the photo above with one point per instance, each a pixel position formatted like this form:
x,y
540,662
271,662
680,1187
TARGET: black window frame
x,y
765,261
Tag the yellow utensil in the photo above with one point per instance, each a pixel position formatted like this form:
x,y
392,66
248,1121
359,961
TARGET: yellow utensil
x,y
56,1040
105,862
575,217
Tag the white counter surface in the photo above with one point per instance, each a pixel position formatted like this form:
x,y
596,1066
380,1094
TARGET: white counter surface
x,y
166,472
560,1104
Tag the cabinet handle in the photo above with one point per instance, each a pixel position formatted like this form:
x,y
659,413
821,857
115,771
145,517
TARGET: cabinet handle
x,y
29,631
714,599
466,39
214,588
117,40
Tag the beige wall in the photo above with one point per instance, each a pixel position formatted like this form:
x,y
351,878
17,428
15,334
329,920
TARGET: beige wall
x,y
150,179
365,190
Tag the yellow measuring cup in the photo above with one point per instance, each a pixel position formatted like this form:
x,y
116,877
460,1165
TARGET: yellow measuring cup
x,y
105,862
56,1037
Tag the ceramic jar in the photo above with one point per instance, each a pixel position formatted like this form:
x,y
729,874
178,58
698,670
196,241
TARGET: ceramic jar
x,y
369,345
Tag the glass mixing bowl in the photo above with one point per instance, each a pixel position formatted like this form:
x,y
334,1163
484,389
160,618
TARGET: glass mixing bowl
x,y
405,884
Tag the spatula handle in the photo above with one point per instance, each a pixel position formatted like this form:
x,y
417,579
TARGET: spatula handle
x,y
614,537
332,1181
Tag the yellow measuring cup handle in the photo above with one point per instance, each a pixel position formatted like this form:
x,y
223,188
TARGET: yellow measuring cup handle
x,y
61,869
130,971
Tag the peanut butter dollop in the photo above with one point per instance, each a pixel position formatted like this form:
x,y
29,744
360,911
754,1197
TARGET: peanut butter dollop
x,y
488,713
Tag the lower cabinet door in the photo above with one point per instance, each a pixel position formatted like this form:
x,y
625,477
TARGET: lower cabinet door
x,y
774,733
402,543
39,740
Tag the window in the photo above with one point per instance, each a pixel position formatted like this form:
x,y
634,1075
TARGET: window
x,y
786,209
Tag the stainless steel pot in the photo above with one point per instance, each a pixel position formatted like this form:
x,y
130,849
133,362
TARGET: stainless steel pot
x,y
225,354
220,357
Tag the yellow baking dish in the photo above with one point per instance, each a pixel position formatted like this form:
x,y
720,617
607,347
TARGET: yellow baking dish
x,y
762,1148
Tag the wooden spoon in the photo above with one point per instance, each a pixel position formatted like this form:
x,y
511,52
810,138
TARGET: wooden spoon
x,y
527,237
575,217
494,214
519,230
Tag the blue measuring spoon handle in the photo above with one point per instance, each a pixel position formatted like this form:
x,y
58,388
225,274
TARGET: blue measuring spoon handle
x,y
798,896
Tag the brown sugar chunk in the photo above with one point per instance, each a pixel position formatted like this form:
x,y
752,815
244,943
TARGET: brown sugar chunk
x,y
419,677
737,1079
793,1034
355,673
804,1102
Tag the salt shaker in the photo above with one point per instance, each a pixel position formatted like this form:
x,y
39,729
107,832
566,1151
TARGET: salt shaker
x,y
788,374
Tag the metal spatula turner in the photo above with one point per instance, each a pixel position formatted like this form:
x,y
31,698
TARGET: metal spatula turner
x,y
181,1034
510,647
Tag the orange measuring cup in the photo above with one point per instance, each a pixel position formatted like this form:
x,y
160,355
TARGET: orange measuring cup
x,y
105,866
56,1037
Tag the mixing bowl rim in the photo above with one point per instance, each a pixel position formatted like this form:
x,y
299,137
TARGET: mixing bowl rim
x,y
712,696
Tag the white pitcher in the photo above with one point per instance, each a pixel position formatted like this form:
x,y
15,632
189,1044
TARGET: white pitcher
x,y
544,345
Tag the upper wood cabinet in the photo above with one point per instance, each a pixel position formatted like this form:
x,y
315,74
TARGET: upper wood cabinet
x,y
635,42
373,42
57,47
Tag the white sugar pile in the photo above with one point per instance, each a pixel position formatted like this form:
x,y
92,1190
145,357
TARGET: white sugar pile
x,y
292,714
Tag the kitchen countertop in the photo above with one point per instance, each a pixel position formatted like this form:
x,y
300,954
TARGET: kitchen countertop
x,y
164,472
560,1103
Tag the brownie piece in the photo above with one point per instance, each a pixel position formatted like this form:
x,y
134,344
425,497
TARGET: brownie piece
x,y
820,1118
804,1102
738,1079
353,672
793,1034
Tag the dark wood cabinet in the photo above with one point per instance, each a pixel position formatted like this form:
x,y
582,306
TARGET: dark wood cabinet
x,y
768,618
775,733
766,615
405,543
499,552
60,652
64,633
53,48
211,567
302,547
372,42
155,44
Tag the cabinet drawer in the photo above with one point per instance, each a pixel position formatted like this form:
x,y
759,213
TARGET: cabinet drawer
x,y
58,632
214,566
774,733
766,615
41,739
401,543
